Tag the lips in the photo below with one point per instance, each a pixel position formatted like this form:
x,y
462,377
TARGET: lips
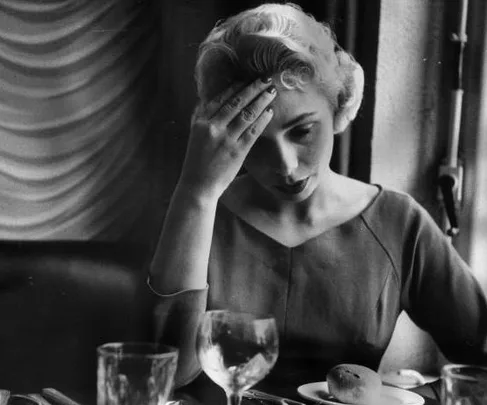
x,y
294,188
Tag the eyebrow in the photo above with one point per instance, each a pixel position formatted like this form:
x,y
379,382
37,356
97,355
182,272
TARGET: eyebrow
x,y
297,119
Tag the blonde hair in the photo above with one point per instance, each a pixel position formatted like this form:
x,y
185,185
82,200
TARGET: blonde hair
x,y
280,39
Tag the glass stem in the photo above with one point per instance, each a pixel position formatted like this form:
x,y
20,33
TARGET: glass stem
x,y
234,398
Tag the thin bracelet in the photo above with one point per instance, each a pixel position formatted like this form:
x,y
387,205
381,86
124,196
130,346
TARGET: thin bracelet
x,y
172,294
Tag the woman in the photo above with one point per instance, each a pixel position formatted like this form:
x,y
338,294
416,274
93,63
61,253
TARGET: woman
x,y
335,260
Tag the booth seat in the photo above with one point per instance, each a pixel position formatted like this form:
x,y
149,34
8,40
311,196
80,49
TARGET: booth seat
x,y
58,302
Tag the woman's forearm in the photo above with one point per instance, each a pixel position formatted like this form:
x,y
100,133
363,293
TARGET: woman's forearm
x,y
181,258
220,139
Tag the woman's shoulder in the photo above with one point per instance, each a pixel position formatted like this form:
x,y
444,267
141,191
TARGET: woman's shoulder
x,y
396,202
396,216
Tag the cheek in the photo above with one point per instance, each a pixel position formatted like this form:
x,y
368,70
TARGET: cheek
x,y
318,152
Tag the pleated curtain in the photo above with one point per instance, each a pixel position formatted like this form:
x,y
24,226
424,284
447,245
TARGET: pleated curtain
x,y
77,90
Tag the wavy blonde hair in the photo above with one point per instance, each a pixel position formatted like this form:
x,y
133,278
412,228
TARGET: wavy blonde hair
x,y
280,40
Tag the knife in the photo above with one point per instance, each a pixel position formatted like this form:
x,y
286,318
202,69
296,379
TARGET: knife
x,y
40,400
255,394
24,399
58,397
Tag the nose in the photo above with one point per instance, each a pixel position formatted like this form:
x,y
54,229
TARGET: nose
x,y
286,158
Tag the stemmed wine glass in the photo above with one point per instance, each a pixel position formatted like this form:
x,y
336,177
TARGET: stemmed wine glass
x,y
236,350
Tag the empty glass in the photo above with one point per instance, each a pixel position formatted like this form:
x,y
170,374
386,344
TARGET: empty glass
x,y
132,373
236,350
463,385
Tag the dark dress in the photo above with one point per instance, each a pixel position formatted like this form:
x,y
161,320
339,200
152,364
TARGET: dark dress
x,y
336,297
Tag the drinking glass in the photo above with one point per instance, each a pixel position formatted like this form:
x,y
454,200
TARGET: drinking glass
x,y
135,373
236,350
463,385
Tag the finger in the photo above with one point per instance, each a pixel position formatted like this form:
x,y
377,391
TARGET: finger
x,y
213,106
231,108
249,114
250,135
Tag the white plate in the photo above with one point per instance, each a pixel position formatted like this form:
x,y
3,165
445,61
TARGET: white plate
x,y
318,392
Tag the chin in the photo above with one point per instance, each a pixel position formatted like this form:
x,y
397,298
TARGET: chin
x,y
294,198
298,197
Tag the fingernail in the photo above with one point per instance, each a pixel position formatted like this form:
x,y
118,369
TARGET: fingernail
x,y
266,80
271,90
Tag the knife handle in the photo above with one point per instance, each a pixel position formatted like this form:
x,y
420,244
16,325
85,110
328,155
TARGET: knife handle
x,y
255,394
58,397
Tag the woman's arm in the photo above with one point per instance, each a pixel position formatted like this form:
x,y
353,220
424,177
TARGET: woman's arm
x,y
443,297
179,277
222,133
181,258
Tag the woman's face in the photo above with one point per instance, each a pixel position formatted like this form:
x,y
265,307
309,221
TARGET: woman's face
x,y
292,155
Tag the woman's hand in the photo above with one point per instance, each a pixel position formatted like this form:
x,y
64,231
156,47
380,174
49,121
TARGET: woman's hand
x,y
222,133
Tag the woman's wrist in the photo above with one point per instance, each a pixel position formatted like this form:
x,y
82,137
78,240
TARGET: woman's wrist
x,y
174,293
200,196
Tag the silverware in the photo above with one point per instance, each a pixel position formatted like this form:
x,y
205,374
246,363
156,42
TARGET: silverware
x,y
26,399
255,394
40,400
58,397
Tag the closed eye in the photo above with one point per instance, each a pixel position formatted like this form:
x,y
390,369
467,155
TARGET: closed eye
x,y
301,132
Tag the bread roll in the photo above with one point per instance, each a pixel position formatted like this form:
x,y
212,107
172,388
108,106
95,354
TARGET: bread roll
x,y
354,384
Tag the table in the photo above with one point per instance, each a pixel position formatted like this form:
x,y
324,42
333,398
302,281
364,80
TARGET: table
x,y
222,401
208,393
